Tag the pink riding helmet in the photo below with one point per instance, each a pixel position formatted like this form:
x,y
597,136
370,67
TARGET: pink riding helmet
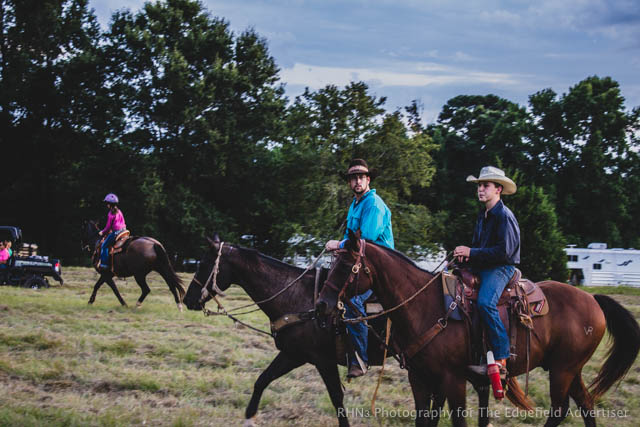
x,y
111,198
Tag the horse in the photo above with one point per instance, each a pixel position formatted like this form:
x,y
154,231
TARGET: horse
x,y
262,278
141,256
562,342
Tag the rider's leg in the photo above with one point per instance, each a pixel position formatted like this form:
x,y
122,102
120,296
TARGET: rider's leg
x,y
104,253
358,331
492,284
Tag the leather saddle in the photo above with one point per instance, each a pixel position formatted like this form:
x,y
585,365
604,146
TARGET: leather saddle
x,y
121,242
520,302
463,285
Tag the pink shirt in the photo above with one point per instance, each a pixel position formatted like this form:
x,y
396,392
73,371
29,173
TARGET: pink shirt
x,y
115,222
4,256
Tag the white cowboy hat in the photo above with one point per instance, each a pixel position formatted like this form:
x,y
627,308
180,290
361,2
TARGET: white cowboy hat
x,y
493,174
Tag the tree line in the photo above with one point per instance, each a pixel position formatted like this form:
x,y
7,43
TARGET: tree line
x,y
189,124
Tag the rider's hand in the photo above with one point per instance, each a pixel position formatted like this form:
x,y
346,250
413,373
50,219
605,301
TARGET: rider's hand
x,y
462,253
99,233
332,245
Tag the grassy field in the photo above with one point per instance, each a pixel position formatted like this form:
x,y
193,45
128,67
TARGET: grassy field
x,y
65,363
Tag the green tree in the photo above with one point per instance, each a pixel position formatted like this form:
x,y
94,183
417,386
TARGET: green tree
x,y
584,142
55,110
205,106
471,132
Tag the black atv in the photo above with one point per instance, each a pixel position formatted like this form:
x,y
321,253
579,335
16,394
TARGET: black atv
x,y
25,267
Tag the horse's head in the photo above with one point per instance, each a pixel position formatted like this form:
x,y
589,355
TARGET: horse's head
x,y
89,235
349,274
210,275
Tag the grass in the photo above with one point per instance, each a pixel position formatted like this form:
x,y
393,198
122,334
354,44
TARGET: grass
x,y
65,363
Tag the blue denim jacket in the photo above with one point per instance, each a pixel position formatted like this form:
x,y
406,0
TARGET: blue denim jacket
x,y
496,238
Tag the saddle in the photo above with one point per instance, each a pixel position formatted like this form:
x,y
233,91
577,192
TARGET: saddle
x,y
120,245
520,302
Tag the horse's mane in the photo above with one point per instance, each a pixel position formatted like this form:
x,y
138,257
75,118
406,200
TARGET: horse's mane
x,y
400,255
268,259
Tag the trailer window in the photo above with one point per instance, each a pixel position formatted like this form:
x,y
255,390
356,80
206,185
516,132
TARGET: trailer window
x,y
572,258
597,266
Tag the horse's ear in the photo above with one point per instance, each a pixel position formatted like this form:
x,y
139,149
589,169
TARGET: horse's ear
x,y
216,238
354,240
210,242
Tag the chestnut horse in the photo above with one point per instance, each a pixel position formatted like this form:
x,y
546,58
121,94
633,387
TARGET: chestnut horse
x,y
142,255
564,339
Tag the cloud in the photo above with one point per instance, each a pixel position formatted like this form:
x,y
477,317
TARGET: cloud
x,y
315,76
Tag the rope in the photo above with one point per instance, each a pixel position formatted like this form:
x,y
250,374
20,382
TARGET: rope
x,y
384,359
283,289
208,312
382,313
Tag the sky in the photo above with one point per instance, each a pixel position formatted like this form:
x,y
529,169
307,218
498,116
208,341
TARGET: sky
x,y
434,50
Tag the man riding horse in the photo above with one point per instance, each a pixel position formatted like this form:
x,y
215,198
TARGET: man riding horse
x,y
369,214
494,252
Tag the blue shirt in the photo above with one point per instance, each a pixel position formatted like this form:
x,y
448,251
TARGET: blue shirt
x,y
372,217
496,239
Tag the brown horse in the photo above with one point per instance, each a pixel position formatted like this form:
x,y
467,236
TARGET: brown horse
x,y
141,256
564,340
262,278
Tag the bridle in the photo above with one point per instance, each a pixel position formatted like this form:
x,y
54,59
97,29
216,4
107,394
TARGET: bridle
x,y
213,284
212,279
85,244
354,275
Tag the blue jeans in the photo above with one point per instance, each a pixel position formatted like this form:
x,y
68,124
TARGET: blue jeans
x,y
358,331
492,283
104,251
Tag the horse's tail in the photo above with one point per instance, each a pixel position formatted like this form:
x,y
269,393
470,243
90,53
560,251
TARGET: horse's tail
x,y
517,396
625,334
171,277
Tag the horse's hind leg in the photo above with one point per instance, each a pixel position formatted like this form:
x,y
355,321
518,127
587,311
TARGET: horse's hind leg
x,y
141,280
329,373
583,399
99,283
559,383
278,367
114,288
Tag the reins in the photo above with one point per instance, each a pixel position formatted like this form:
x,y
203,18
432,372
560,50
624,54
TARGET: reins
x,y
212,280
403,303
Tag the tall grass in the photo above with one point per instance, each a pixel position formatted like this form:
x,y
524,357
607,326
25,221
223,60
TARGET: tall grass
x,y
65,363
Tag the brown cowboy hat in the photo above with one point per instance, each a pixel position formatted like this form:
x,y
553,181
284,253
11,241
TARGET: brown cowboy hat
x,y
358,166
493,174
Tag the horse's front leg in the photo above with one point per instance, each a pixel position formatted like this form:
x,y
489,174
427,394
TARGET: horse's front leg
x,y
99,283
278,367
454,388
483,404
114,288
422,400
329,372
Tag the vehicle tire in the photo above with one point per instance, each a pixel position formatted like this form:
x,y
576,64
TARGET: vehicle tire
x,y
36,282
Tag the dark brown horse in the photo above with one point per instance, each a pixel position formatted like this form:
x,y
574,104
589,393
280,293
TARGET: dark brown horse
x,y
141,256
263,277
564,340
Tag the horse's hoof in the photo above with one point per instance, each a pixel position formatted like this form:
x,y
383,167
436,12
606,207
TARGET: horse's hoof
x,y
138,304
90,302
181,308
249,422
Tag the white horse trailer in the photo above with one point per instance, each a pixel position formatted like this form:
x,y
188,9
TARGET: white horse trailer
x,y
598,266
